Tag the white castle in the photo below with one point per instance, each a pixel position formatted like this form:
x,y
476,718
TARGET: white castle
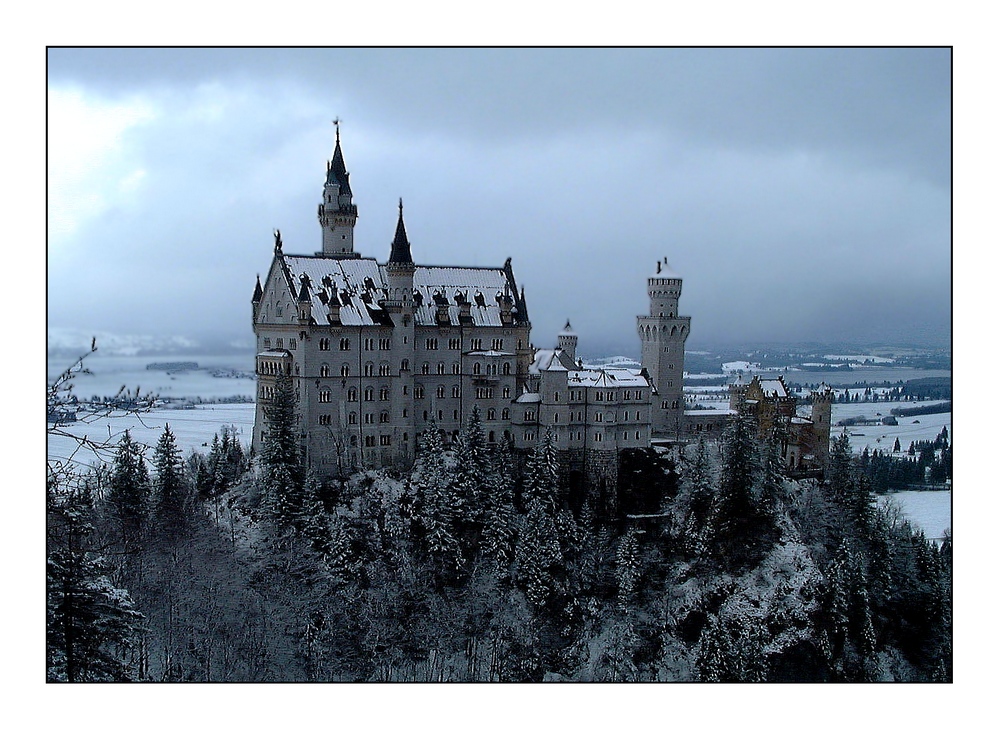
x,y
378,352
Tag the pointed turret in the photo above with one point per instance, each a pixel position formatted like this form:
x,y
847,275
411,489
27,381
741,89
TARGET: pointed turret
x,y
258,292
337,213
400,245
567,341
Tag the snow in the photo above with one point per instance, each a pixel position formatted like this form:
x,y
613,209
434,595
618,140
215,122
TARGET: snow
x,y
930,511
924,427
860,358
193,428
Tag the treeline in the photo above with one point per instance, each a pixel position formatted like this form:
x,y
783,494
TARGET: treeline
x,y
473,569
923,464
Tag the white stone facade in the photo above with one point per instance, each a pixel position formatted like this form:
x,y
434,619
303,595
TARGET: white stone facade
x,y
378,351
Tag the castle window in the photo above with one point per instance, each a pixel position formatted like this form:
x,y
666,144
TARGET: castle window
x,y
369,440
404,366
456,368
280,343
454,415
598,417
385,440
491,414
267,343
385,344
345,370
406,390
278,309
345,343
324,371
292,343
505,414
369,394
324,396
432,343
440,391
369,369
324,343
369,419
425,368
598,436
383,369
352,418
324,419
506,368
352,395
625,417
440,368
455,343
625,435
383,417
506,392
476,369
599,396
626,395
418,391
477,343
555,418
497,343
637,436
556,396
440,415
638,395
425,415
637,415
369,343
611,396
493,437
456,391
406,413
383,394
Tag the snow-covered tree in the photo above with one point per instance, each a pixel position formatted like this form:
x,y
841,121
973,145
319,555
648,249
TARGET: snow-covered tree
x,y
128,493
173,492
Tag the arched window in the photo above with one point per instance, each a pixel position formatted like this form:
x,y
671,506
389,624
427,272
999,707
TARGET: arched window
x,y
440,391
324,370
506,368
352,418
477,369
383,417
491,414
345,370
369,394
369,369
405,365
352,395
425,368
383,394
505,414
440,368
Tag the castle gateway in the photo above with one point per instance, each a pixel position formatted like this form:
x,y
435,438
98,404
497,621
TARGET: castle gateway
x,y
377,352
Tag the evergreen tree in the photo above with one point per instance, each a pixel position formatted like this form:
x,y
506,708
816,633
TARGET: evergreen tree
x,y
697,526
173,497
736,517
499,528
472,467
439,506
129,492
91,625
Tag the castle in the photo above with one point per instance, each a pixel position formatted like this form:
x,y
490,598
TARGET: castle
x,y
379,351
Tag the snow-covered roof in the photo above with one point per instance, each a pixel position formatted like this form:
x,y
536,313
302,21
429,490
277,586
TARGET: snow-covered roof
x,y
606,378
274,353
555,359
529,398
487,353
663,271
704,413
361,283
774,388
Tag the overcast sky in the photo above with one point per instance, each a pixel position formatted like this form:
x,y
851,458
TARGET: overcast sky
x,y
802,194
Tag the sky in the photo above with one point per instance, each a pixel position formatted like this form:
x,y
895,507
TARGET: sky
x,y
802,194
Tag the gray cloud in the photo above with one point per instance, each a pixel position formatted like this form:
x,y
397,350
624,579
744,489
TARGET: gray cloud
x,y
803,194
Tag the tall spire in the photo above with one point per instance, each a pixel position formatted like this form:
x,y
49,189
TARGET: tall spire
x,y
400,245
336,173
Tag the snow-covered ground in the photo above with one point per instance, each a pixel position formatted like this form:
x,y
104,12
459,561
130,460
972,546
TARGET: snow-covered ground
x,y
930,511
193,428
924,427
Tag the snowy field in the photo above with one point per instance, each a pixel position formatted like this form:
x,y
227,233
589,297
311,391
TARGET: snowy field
x,y
924,427
930,511
193,429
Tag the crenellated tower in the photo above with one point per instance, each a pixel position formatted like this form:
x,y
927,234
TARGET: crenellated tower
x,y
337,213
663,334
567,341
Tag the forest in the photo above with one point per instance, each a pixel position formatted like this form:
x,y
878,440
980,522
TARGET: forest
x,y
474,567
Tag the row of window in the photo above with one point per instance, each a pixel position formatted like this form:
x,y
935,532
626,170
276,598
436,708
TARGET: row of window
x,y
280,343
578,436
384,369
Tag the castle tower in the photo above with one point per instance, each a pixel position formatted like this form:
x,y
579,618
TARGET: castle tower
x,y
337,213
567,341
822,411
663,334
400,306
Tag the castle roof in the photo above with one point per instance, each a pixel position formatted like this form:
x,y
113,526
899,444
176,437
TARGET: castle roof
x,y
774,388
607,378
556,359
400,245
663,271
360,285
336,173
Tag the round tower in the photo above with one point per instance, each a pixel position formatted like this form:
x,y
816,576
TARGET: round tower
x,y
567,341
822,412
337,213
663,334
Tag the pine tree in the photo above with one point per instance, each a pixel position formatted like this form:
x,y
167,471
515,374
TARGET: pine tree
x,y
173,497
471,468
697,527
736,514
91,625
439,506
129,492
628,567
281,463
499,528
